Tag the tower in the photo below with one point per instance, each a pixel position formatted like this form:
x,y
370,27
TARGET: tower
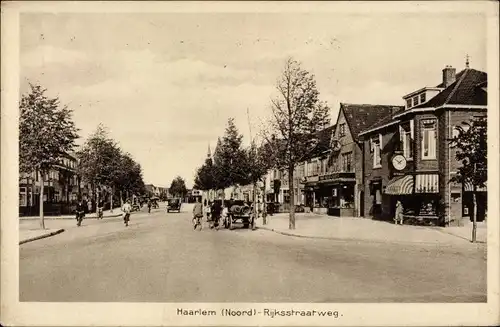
x,y
467,61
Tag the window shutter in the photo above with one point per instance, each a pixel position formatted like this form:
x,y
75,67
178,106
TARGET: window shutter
x,y
380,141
371,144
401,134
412,129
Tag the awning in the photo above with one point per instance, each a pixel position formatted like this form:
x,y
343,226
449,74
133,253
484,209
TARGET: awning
x,y
469,188
427,183
402,185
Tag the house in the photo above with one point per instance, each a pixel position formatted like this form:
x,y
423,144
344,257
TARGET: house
x,y
61,189
408,157
340,184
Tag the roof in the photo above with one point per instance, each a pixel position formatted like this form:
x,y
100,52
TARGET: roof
x,y
324,138
466,90
385,120
361,116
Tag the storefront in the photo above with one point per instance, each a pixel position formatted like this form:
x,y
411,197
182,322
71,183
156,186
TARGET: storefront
x,y
419,196
337,193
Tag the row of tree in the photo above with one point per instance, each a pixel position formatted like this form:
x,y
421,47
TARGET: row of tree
x,y
288,138
47,134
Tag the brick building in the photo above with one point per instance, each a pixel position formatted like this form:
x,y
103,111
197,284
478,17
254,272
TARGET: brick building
x,y
407,155
340,185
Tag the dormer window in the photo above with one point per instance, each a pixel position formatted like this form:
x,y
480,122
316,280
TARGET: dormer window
x,y
422,98
415,101
408,103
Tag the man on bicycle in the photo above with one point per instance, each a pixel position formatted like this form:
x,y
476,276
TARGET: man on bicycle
x,y
80,212
197,213
127,208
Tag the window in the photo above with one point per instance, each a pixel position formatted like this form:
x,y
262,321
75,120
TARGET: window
x,y
422,98
406,135
415,100
342,130
376,149
22,197
408,103
429,139
286,196
347,162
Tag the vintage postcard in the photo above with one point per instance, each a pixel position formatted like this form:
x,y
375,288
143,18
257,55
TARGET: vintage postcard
x,y
250,163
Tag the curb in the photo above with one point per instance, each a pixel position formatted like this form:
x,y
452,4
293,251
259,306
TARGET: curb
x,y
353,239
59,231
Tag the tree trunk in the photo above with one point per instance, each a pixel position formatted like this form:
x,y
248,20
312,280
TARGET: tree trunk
x,y
255,207
111,199
264,205
98,188
121,199
474,215
42,186
291,224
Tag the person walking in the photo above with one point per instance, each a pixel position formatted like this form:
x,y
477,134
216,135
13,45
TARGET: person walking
x,y
398,218
149,205
127,208
197,214
100,208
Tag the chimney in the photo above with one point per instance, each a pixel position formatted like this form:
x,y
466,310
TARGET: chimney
x,y
449,76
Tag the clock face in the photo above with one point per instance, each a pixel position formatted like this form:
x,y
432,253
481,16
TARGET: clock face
x,y
399,162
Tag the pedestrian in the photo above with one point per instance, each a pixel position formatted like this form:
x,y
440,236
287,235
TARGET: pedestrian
x,y
100,208
215,213
89,204
80,212
197,213
208,209
398,218
149,205
127,208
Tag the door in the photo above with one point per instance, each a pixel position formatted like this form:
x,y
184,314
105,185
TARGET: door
x,y
362,204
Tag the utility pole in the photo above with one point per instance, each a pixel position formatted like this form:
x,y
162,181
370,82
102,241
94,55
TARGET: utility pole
x,y
255,208
474,208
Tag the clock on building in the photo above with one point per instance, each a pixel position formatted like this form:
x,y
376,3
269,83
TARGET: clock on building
x,y
399,162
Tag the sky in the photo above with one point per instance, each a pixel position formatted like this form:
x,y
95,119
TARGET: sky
x,y
165,84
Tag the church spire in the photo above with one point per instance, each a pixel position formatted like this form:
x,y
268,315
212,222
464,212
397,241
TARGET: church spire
x,y
467,61
209,153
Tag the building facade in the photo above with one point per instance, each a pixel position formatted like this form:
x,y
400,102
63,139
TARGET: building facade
x,y
61,189
408,156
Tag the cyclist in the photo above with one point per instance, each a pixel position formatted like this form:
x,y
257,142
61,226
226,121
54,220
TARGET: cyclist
x,y
126,212
197,213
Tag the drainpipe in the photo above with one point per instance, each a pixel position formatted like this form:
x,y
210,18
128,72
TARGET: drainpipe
x,y
450,132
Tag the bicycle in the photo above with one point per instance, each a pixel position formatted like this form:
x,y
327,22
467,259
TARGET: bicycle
x,y
79,217
197,222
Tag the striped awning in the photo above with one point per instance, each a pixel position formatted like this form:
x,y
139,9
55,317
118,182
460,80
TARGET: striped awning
x,y
427,183
469,188
402,185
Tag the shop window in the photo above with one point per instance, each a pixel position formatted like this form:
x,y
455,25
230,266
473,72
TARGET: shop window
x,y
429,139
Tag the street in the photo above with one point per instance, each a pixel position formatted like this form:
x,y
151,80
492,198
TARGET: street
x,y
160,258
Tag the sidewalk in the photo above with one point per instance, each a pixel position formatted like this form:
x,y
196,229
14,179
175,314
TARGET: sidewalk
x,y
312,225
106,214
29,227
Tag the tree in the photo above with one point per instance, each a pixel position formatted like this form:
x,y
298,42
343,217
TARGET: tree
x,y
46,134
230,158
471,151
129,178
205,176
178,187
298,115
99,160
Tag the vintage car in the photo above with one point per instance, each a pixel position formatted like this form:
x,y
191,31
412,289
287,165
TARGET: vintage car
x,y
174,205
240,212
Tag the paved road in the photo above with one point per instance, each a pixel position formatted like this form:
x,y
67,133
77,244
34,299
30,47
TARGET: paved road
x,y
159,258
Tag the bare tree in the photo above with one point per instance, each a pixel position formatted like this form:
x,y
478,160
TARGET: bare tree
x,y
297,116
